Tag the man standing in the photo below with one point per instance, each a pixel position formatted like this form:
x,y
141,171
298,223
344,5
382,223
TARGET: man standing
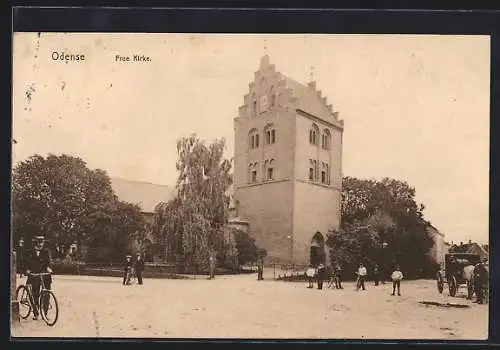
x,y
376,275
38,260
321,275
212,265
361,277
396,277
260,270
481,281
139,267
338,277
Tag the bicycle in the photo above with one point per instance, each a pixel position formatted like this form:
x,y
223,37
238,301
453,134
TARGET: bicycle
x,y
131,277
47,299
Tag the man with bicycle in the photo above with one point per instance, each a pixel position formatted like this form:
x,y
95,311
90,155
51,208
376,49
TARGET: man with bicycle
x,y
38,260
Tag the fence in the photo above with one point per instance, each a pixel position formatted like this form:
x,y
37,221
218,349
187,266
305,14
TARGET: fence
x,y
287,271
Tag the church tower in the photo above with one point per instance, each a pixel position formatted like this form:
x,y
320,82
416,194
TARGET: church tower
x,y
288,175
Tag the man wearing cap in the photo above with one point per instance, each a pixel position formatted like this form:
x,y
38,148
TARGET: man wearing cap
x,y
38,260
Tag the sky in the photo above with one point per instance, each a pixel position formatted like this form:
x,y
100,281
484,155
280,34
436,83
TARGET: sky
x,y
415,108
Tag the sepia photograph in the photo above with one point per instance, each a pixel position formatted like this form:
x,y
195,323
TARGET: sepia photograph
x,y
255,186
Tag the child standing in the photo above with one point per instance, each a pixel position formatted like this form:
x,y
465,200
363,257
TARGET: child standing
x,y
396,277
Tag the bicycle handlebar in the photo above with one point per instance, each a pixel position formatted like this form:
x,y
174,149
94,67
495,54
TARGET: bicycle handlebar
x,y
39,274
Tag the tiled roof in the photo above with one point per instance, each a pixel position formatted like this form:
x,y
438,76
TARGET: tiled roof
x,y
433,230
471,248
309,101
147,195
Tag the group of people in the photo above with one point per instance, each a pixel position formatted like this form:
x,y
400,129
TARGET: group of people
x,y
131,267
334,277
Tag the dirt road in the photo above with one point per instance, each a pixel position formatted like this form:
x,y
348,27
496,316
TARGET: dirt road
x,y
241,307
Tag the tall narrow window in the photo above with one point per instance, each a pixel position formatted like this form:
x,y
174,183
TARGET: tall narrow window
x,y
270,175
314,135
327,174
270,134
253,139
326,139
311,173
254,176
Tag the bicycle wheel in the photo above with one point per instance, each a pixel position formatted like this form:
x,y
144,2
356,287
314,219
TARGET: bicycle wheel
x,y
23,297
49,307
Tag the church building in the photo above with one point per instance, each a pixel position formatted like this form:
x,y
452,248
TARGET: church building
x,y
288,167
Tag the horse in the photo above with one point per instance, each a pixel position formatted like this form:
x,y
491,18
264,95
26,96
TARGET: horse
x,y
468,274
472,278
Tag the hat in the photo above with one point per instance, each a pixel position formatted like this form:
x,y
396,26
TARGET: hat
x,y
38,238
128,256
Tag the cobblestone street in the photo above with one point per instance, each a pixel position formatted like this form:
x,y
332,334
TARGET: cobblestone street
x,y
241,307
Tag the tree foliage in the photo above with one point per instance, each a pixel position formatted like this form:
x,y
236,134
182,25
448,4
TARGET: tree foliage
x,y
61,198
377,212
193,222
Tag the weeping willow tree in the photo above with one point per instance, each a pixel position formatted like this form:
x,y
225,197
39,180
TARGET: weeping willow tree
x,y
193,222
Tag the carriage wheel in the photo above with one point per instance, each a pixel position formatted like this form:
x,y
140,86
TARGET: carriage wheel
x,y
440,283
452,286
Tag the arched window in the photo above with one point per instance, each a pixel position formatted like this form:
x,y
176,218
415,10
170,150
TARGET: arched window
x,y
270,134
252,173
253,139
311,170
326,139
269,169
314,135
323,173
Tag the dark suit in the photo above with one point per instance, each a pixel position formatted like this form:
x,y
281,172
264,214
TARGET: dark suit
x,y
321,275
38,262
480,282
139,267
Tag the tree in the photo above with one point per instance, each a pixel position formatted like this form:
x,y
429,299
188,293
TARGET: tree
x,y
374,212
61,198
118,223
245,245
195,219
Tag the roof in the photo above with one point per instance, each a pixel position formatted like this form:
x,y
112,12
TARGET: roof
x,y
433,230
309,100
471,248
147,195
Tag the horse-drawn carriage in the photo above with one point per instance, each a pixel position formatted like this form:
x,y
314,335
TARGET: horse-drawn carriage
x,y
458,271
